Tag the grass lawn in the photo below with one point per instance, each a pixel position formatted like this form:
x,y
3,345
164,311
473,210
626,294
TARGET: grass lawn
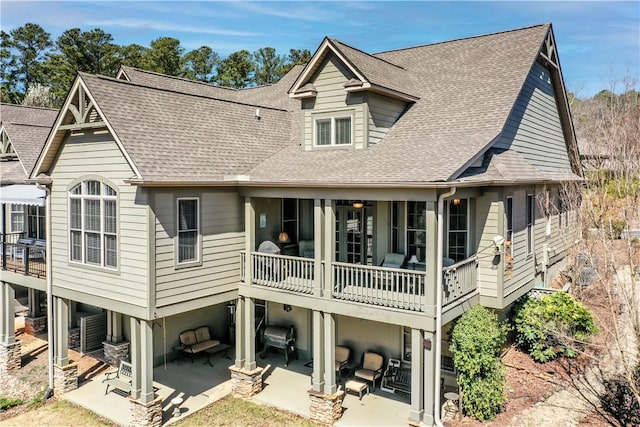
x,y
226,412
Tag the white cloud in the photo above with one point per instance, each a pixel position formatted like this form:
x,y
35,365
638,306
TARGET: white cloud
x,y
161,26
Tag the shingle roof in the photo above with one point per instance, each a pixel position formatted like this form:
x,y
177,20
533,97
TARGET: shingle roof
x,y
173,136
27,128
467,89
378,71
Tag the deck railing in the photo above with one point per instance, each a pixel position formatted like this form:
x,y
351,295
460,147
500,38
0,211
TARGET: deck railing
x,y
26,259
283,272
388,287
459,280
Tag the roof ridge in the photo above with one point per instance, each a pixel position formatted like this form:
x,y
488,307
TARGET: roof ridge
x,y
460,39
179,78
28,106
28,124
120,81
368,54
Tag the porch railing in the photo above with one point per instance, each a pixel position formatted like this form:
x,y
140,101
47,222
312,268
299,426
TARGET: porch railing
x,y
459,280
26,259
389,287
283,272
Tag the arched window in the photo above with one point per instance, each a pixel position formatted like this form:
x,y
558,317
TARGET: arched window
x,y
93,237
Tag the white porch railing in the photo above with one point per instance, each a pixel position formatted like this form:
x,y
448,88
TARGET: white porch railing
x,y
459,280
283,272
388,287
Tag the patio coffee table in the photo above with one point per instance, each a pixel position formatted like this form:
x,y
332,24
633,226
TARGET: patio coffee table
x,y
356,387
217,349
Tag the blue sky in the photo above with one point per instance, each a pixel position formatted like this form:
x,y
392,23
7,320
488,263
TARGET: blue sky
x,y
598,41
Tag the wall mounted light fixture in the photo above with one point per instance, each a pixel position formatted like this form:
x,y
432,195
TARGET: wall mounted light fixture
x,y
358,205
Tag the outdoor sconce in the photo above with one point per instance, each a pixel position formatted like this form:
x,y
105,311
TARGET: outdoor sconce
x,y
498,241
456,202
283,237
358,205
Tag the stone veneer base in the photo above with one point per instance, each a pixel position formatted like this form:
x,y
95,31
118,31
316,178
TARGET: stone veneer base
x,y
245,384
325,408
10,356
35,325
115,352
65,378
145,414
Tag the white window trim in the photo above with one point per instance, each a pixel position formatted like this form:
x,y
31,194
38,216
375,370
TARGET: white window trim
x,y
198,250
466,243
102,197
15,210
333,117
509,216
530,226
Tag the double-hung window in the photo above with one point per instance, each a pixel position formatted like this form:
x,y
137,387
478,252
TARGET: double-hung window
x,y
458,229
188,230
17,219
93,231
333,131
417,229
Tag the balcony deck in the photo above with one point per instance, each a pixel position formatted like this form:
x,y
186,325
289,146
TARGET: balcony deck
x,y
379,286
29,260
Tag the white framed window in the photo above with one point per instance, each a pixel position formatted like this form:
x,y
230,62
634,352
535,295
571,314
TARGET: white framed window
x,y
458,229
331,131
93,230
36,222
188,230
416,230
530,222
509,230
16,224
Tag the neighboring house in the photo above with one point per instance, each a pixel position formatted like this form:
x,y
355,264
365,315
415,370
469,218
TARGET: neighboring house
x,y
23,132
400,189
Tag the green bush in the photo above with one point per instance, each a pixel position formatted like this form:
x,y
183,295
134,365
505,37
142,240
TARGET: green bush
x,y
553,326
476,342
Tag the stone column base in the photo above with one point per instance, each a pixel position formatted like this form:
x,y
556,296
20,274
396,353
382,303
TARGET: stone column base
x,y
115,352
325,408
74,338
65,378
10,356
35,325
145,414
245,384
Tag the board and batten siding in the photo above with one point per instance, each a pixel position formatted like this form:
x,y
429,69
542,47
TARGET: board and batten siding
x,y
94,155
533,129
222,231
333,99
488,224
383,114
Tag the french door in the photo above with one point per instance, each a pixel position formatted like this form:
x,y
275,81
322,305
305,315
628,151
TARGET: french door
x,y
354,235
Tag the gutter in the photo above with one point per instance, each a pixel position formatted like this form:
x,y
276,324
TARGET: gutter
x,y
48,264
438,348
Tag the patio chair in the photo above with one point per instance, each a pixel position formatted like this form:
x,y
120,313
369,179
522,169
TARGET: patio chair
x,y
392,260
19,250
371,367
342,357
306,249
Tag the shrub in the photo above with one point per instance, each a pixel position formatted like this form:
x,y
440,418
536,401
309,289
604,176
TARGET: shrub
x,y
553,326
620,401
6,403
476,342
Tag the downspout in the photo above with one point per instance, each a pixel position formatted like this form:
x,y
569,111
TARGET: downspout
x,y
49,287
439,290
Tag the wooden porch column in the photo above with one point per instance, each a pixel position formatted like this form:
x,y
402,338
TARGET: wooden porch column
x,y
241,331
318,351
33,297
136,358
318,244
431,247
61,331
329,247
250,334
417,376
116,323
7,318
330,385
249,239
146,359
429,377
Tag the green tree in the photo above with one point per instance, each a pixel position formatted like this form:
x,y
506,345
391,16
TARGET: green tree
x,y
22,53
235,70
296,57
165,56
198,64
132,55
268,66
476,342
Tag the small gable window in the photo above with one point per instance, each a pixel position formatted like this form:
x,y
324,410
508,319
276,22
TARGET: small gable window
x,y
333,131
93,235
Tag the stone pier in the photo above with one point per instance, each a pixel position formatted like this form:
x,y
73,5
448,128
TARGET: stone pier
x,y
145,414
10,356
245,383
65,378
325,408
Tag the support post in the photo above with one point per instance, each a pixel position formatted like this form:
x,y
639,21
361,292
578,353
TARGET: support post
x,y
250,337
136,359
431,253
240,333
417,377
318,351
61,329
329,246
430,400
146,359
329,346
318,239
249,236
